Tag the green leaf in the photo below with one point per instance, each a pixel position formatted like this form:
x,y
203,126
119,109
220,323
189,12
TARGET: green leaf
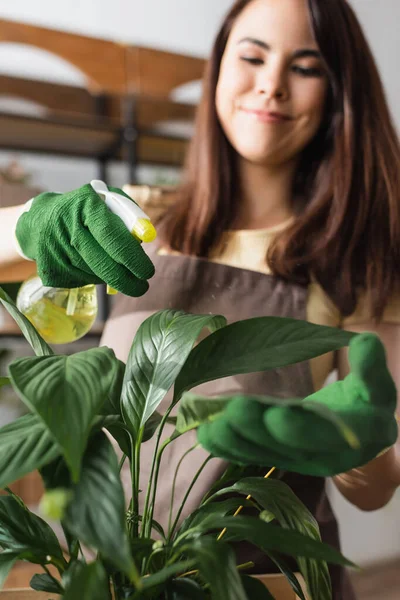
x,y
96,514
45,583
36,341
268,537
166,573
255,345
120,433
27,534
25,445
211,510
231,474
158,352
195,410
156,526
286,571
255,589
224,581
7,561
66,392
151,426
277,498
5,381
112,404
89,582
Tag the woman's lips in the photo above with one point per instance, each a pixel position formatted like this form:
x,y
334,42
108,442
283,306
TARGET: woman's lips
x,y
266,116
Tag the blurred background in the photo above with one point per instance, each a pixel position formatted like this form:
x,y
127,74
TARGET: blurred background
x,y
98,89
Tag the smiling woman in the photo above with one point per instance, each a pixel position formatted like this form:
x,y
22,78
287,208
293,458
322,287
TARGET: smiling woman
x,y
289,208
275,76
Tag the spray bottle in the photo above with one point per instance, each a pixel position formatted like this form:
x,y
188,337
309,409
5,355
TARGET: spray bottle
x,y
63,315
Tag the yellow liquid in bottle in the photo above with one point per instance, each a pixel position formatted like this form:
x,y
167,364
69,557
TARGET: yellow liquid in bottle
x,y
60,315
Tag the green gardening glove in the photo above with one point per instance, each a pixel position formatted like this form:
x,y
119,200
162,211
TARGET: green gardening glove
x,y
76,240
295,435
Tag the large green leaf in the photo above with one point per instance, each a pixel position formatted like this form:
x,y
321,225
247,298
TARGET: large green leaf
x,y
27,534
224,581
7,561
96,513
88,582
25,445
195,410
277,498
255,345
268,537
255,589
66,392
158,352
36,341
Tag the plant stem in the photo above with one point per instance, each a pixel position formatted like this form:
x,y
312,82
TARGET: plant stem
x,y
59,564
135,476
157,464
50,575
195,478
174,484
146,526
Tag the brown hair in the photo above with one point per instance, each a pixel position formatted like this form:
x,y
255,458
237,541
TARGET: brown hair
x,y
347,230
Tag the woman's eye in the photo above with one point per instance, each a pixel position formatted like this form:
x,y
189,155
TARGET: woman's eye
x,y
252,60
307,72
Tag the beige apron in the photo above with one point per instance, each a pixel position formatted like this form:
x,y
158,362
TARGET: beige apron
x,y
202,287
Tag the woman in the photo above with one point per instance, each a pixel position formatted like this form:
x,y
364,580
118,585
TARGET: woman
x,y
290,207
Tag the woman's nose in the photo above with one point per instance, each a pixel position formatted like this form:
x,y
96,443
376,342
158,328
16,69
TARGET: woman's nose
x,y
272,85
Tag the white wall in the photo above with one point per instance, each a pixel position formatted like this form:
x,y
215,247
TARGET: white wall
x,y
189,26
178,25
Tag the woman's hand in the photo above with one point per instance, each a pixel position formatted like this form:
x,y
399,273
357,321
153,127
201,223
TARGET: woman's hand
x,y
76,240
296,437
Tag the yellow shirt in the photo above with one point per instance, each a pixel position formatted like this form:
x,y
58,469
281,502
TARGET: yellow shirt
x,y
247,249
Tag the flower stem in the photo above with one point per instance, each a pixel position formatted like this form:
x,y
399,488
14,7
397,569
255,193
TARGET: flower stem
x,y
158,457
195,478
146,524
135,476
174,485
50,575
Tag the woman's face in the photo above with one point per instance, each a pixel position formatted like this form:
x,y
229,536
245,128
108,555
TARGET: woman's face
x,y
272,85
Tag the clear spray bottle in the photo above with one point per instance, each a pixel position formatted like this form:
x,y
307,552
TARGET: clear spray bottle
x,y
63,315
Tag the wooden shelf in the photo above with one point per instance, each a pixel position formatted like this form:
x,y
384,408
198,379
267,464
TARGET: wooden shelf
x,y
84,138
117,115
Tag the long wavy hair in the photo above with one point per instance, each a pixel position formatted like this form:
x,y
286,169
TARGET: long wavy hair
x,y
347,230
